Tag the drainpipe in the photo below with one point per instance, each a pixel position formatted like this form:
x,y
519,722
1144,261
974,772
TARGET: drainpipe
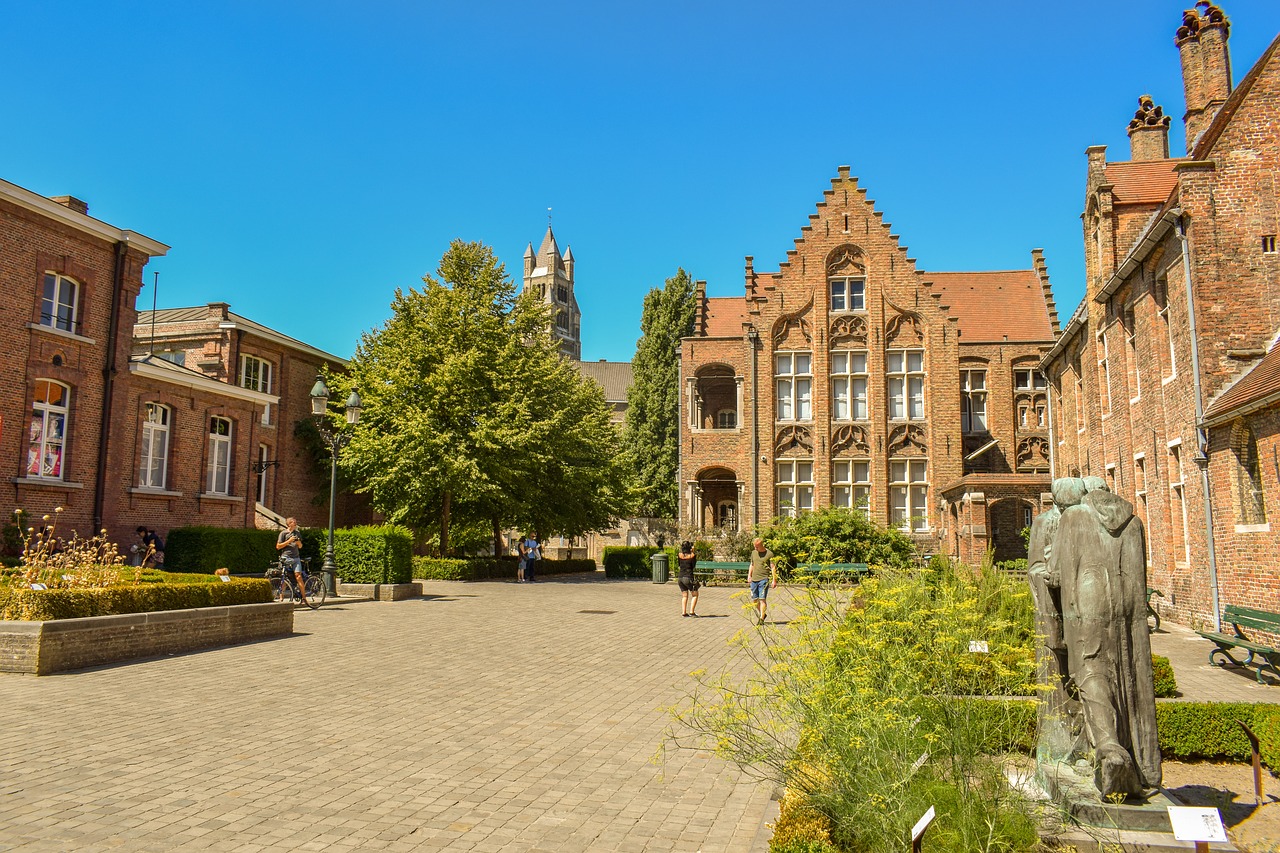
x,y
1202,436
680,397
1048,413
752,338
108,383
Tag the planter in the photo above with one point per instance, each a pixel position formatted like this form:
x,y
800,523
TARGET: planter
x,y
40,648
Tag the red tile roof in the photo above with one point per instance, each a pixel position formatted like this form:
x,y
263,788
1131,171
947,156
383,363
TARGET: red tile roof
x,y
1142,182
1262,381
1008,305
725,316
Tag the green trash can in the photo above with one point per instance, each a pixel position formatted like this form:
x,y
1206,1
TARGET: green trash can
x,y
659,559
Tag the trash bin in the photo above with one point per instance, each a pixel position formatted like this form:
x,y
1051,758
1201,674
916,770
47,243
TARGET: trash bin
x,y
659,559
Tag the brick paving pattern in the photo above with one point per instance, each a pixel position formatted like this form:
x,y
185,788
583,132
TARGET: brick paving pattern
x,y
484,717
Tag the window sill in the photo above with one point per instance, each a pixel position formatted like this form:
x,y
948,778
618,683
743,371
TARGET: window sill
x,y
37,327
1133,401
209,496
1166,380
702,430
46,482
1265,527
155,493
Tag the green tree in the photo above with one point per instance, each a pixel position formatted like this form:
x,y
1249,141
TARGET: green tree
x,y
837,535
651,440
471,416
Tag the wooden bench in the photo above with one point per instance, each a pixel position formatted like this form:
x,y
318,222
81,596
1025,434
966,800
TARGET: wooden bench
x,y
709,570
1241,618
844,571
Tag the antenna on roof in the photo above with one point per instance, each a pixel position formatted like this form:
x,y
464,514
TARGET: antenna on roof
x,y
155,287
548,217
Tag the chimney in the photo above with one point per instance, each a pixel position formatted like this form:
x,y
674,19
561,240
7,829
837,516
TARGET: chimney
x,y
216,311
70,201
1206,66
1149,132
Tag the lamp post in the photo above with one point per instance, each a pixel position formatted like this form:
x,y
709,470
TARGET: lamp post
x,y
336,439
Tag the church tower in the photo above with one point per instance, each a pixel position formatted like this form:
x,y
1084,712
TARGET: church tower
x,y
549,276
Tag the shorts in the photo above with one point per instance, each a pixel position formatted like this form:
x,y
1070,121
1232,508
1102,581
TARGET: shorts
x,y
760,590
687,584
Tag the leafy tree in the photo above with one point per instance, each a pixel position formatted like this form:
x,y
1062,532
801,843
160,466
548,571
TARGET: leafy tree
x,y
471,416
651,440
837,535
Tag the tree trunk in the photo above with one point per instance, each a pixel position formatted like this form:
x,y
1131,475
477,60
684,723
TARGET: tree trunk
x,y
444,525
497,538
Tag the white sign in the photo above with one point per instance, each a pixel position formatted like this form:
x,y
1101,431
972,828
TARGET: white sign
x,y
1193,823
921,825
38,586
224,578
919,762
978,646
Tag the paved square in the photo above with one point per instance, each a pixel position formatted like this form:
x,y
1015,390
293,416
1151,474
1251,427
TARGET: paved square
x,y
484,717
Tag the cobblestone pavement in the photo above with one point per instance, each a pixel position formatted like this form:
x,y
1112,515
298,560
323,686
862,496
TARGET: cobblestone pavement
x,y
483,717
1201,681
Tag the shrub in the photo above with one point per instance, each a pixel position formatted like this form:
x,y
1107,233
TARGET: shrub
x,y
632,561
487,568
206,549
1166,684
48,604
837,535
704,550
374,554
443,569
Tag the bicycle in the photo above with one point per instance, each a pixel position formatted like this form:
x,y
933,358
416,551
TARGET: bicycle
x,y
284,586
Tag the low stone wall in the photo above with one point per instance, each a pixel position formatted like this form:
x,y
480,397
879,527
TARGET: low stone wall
x,y
65,644
381,591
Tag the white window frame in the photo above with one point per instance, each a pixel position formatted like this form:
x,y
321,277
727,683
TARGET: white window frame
x,y
47,432
263,458
906,384
851,484
1178,492
1131,352
794,486
973,400
1029,379
848,293
1104,373
218,468
849,383
909,494
55,311
255,374
153,467
793,380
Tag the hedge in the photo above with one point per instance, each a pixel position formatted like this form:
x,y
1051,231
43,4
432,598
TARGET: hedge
x,y
632,561
487,568
38,605
242,550
373,554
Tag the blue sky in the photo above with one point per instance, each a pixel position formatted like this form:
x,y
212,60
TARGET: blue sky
x,y
304,159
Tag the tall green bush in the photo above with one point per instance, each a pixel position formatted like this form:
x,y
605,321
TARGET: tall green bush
x,y
487,568
632,561
837,535
374,554
242,550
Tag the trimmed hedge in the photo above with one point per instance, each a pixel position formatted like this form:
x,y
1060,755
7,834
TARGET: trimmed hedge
x,y
632,561
39,605
487,568
373,554
1166,684
242,550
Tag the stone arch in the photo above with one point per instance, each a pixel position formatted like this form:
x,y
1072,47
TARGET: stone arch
x,y
850,439
793,441
907,440
849,329
846,259
797,319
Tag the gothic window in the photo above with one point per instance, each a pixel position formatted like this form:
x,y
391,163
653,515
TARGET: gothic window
x,y
793,374
155,447
849,385
47,437
905,372
795,486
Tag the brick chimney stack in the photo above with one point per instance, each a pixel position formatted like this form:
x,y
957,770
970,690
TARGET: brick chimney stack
x,y
72,202
1149,132
1206,66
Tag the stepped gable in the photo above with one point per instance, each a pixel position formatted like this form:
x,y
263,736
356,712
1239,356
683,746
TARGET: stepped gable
x,y
1006,305
1142,182
725,316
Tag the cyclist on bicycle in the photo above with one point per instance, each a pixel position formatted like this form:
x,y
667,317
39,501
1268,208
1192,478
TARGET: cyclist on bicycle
x,y
287,544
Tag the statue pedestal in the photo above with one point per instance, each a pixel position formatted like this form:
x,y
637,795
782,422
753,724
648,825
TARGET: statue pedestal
x,y
1131,825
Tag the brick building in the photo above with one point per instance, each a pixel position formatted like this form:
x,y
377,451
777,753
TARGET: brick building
x,y
1165,380
228,394
849,377
69,284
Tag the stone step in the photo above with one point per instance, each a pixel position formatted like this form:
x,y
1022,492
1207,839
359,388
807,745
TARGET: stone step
x,y
1097,840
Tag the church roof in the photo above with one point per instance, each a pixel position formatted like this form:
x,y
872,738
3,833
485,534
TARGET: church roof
x,y
725,316
613,376
1006,305
1142,181
548,249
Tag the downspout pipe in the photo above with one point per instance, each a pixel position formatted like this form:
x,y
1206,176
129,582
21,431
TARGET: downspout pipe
x,y
753,338
108,382
1202,435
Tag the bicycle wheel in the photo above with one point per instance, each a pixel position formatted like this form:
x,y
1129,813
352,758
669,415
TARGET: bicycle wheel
x,y
277,589
314,587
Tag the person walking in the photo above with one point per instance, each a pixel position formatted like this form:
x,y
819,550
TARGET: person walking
x,y
532,554
761,577
687,561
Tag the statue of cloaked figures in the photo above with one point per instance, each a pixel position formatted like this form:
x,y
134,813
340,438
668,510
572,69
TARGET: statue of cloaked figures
x,y
1088,573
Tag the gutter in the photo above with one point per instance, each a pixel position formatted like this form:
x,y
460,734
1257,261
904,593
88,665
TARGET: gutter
x,y
108,381
1202,437
753,338
1240,411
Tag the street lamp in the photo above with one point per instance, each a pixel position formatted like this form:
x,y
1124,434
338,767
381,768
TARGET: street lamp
x,y
336,439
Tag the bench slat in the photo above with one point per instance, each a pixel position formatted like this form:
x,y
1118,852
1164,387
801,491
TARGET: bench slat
x,y
1249,617
1239,642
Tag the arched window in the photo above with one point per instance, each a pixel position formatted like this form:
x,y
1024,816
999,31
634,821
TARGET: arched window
x,y
155,446
59,302
48,430
219,479
1253,509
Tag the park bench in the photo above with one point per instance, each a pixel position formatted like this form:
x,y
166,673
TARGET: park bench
x,y
1241,618
712,570
844,571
